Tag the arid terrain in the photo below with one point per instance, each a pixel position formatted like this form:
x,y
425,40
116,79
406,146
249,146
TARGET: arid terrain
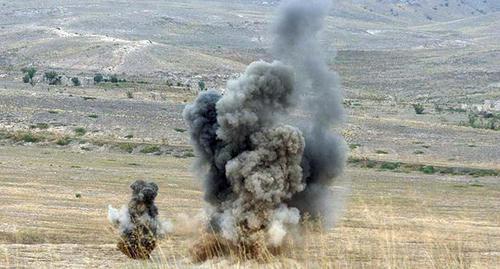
x,y
423,185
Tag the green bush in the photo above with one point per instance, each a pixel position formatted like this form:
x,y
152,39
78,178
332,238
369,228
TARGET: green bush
x,y
127,147
53,78
29,74
150,149
80,131
354,146
428,169
25,137
130,95
98,78
63,141
26,79
201,85
419,108
389,165
76,81
113,79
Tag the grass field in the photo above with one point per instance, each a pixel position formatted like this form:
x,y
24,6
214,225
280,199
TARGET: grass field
x,y
54,215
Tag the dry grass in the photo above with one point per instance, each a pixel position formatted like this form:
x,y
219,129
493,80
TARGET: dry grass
x,y
393,220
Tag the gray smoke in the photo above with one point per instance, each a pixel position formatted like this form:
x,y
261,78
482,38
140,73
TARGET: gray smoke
x,y
261,176
138,222
296,44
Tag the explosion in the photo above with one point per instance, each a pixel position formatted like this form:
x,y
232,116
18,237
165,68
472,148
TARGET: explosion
x,y
138,222
262,176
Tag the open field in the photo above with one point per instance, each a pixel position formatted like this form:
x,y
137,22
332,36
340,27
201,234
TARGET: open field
x,y
422,189
401,220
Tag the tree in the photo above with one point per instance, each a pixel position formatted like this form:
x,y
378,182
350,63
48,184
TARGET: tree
x,y
29,74
113,79
201,85
76,81
419,108
98,78
53,78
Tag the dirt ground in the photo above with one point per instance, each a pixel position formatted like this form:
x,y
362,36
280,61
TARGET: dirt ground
x,y
401,220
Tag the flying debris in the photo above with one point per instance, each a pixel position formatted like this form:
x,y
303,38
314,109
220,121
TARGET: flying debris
x,y
138,222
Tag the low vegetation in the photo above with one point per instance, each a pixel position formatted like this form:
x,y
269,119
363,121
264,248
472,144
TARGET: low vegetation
x,y
53,78
29,74
76,81
426,169
80,131
201,86
419,108
489,121
150,149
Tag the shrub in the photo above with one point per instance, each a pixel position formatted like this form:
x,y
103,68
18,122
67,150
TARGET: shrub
x,y
428,169
389,165
127,147
130,95
30,71
25,137
26,79
379,151
41,125
180,130
53,78
29,74
129,136
80,131
94,116
98,78
63,141
354,146
419,108
76,81
201,85
418,152
150,149
113,79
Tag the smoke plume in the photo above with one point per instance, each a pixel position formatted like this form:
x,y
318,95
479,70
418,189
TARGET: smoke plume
x,y
261,176
138,222
297,44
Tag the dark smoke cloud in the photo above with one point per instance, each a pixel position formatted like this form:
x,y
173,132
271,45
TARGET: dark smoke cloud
x,y
138,222
251,164
261,176
296,44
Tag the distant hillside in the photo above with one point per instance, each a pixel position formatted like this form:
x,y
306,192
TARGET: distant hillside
x,y
416,11
410,11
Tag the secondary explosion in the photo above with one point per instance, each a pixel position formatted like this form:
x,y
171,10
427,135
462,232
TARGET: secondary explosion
x,y
138,222
261,176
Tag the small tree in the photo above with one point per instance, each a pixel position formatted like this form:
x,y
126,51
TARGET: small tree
x,y
113,79
53,78
98,78
76,81
29,74
419,108
201,85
